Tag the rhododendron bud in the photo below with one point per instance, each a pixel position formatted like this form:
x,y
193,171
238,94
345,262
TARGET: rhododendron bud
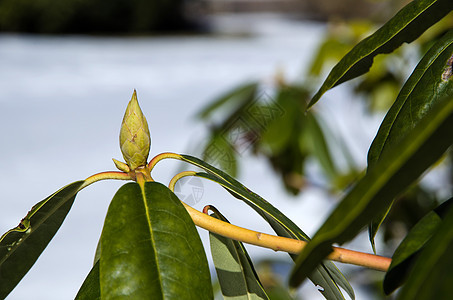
x,y
135,140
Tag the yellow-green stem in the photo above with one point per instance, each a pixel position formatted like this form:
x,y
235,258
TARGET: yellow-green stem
x,y
162,156
277,243
104,176
178,176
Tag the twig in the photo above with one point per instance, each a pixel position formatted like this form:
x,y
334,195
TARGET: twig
x,y
277,243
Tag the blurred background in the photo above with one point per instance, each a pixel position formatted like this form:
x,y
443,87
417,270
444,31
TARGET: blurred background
x,y
224,80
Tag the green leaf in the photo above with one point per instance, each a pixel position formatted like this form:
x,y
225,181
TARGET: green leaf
x,y
395,171
425,87
150,248
21,246
407,25
407,252
235,271
90,289
327,276
432,274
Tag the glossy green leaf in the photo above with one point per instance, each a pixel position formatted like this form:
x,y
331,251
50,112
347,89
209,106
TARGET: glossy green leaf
x,y
326,276
150,248
235,271
395,171
90,289
21,246
407,25
429,82
432,274
407,252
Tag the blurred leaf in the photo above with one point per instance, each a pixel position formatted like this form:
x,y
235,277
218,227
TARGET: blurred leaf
x,y
340,39
90,289
395,171
234,100
319,147
288,140
278,128
221,153
270,271
235,271
432,274
21,246
279,140
407,25
325,275
380,90
407,252
427,84
229,133
150,248
281,130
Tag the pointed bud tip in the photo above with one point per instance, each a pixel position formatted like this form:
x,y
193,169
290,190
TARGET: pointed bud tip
x,y
135,139
121,166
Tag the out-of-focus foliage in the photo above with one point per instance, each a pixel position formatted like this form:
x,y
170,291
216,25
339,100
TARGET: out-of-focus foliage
x,y
380,86
275,126
272,280
280,140
91,16
405,27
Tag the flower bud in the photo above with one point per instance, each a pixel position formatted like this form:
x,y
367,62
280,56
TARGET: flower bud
x,y
135,139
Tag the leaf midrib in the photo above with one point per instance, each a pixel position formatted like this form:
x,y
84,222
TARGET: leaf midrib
x,y
152,240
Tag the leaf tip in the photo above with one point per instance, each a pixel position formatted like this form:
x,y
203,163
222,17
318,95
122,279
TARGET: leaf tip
x,y
313,100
